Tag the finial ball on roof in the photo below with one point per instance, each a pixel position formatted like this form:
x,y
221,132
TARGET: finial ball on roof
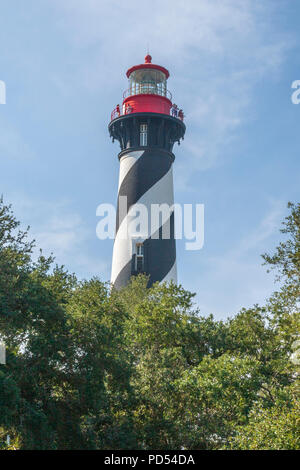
x,y
148,59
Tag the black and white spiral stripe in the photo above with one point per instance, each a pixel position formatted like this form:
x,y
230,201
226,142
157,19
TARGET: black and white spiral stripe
x,y
145,178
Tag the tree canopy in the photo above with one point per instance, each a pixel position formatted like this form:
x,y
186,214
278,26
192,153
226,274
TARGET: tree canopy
x,y
89,367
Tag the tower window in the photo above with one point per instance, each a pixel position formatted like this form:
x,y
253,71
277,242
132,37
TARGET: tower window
x,y
143,135
139,258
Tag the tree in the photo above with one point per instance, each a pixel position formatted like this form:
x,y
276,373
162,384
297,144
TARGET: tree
x,y
275,423
273,428
64,365
89,367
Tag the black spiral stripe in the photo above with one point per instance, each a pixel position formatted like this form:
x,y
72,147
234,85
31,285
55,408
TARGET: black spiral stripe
x,y
144,174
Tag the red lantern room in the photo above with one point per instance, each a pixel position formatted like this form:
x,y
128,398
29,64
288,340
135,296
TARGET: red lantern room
x,y
147,91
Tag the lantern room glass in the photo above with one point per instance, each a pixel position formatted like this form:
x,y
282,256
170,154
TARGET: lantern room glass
x,y
147,81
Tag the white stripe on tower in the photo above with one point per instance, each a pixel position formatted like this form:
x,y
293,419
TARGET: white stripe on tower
x,y
126,162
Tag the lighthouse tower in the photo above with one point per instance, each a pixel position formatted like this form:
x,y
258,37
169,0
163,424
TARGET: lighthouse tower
x,y
146,126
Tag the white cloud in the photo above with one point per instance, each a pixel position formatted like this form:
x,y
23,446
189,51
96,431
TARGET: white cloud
x,y
217,51
59,230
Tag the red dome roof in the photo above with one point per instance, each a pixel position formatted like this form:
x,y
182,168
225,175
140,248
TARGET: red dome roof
x,y
148,65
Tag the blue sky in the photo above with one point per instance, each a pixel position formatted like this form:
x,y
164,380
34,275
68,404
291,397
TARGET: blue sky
x,y
232,63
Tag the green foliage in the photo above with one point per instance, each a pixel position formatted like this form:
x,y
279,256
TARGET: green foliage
x,y
65,373
89,367
276,427
286,258
217,396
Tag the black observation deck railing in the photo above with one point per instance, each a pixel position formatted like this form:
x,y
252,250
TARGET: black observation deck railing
x,y
117,112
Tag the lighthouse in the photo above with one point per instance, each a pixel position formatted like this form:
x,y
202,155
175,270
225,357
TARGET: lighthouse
x,y
146,126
